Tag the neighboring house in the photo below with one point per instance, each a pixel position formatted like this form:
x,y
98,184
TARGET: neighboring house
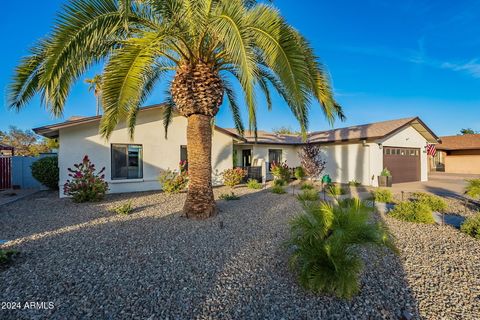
x,y
354,153
6,150
458,154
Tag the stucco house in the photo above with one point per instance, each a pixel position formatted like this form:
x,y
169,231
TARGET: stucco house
x,y
458,154
353,153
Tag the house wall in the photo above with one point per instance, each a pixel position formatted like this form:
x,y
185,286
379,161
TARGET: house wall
x,y
463,161
158,153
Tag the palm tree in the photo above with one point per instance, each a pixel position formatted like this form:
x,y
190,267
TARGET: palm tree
x,y
95,85
203,44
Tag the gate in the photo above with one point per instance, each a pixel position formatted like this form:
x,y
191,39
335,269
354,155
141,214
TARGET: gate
x,y
5,172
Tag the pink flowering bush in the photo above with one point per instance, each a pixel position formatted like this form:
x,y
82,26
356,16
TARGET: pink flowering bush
x,y
85,185
173,181
232,177
280,171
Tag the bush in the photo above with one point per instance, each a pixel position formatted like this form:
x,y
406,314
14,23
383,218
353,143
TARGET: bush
x,y
279,182
280,171
386,173
434,202
6,256
382,195
299,173
307,186
173,182
311,159
308,195
46,171
86,185
278,190
233,177
229,196
325,240
335,190
354,183
471,226
412,211
254,184
473,188
124,209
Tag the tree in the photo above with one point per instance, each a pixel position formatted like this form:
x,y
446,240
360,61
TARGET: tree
x,y
468,131
25,142
311,160
285,130
203,44
95,85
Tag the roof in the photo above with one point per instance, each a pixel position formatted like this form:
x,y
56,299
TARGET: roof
x,y
5,147
460,142
371,131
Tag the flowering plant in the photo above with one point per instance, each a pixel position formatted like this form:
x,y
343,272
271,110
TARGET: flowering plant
x,y
85,185
232,177
173,181
280,170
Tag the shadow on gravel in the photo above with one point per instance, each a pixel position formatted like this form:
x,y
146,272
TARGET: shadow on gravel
x,y
157,263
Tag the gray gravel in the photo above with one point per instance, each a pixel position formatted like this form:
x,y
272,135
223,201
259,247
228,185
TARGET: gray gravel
x,y
155,264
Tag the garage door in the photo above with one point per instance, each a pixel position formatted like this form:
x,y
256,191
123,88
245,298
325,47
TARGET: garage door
x,y
403,163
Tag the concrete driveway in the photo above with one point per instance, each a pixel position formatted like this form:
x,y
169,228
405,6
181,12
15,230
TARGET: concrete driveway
x,y
439,183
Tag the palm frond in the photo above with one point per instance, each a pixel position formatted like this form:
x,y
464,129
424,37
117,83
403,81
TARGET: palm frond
x,y
234,109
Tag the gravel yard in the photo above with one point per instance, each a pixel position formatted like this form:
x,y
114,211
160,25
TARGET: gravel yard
x,y
156,264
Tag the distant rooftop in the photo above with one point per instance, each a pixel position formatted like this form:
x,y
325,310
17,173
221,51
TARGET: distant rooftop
x,y
460,142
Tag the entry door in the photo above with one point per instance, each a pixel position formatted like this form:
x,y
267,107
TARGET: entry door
x,y
246,158
403,163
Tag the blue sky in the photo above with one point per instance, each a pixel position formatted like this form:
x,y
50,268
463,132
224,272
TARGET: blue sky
x,y
387,59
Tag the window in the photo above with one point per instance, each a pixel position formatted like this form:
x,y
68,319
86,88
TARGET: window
x,y
184,155
127,161
274,155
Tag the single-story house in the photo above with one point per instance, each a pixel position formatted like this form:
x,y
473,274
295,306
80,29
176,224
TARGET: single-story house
x,y
6,150
354,153
458,154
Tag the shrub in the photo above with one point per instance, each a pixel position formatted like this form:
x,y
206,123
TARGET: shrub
x,y
335,190
353,183
45,170
280,171
254,184
382,195
86,185
386,173
279,182
307,186
299,173
308,195
173,181
6,256
124,209
473,188
471,226
325,240
229,196
412,211
278,190
434,202
311,160
232,177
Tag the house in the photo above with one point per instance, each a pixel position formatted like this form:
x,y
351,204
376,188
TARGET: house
x,y
458,154
354,153
6,151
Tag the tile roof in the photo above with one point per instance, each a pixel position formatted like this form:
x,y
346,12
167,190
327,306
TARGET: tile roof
x,y
460,142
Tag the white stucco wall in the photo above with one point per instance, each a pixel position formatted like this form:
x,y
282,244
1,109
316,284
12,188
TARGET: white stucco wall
x,y
158,153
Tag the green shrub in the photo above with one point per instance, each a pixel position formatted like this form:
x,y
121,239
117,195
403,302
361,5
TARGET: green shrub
x,y
354,183
434,202
280,171
173,182
334,190
413,211
299,173
279,182
386,173
254,184
124,209
46,171
233,177
278,190
307,186
471,226
325,240
6,256
86,185
382,195
229,196
473,188
308,195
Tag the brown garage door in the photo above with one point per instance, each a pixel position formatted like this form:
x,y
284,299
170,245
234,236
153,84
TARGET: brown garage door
x,y
403,163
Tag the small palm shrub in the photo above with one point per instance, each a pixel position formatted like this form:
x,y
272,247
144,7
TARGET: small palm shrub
x,y
334,190
434,202
471,226
173,181
382,195
412,211
254,184
46,171
307,186
6,256
229,196
86,185
308,195
233,177
279,182
324,242
299,173
124,209
278,190
473,188
280,171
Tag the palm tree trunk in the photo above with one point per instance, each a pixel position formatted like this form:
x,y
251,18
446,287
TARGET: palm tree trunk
x,y
200,203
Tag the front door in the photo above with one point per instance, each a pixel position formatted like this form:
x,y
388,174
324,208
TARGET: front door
x,y
246,158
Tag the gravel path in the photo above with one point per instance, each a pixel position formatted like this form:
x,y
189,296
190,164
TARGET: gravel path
x,y
155,264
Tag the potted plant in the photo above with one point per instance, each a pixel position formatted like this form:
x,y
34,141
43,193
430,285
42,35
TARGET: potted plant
x,y
385,178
